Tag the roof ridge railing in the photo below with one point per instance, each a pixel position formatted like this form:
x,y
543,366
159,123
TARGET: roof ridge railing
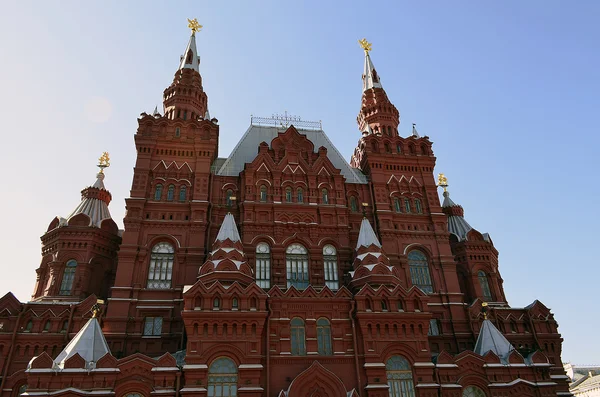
x,y
284,121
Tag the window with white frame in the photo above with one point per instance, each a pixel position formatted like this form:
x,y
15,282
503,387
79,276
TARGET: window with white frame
x,y
330,267
153,326
160,270
263,265
296,258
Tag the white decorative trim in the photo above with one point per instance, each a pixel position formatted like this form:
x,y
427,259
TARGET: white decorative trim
x,y
190,389
250,366
423,365
374,365
251,388
451,385
377,387
446,365
195,366
78,391
427,385
162,369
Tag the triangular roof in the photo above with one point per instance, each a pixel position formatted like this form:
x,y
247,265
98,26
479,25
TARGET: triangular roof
x,y
246,151
89,343
228,229
192,62
367,236
490,339
370,77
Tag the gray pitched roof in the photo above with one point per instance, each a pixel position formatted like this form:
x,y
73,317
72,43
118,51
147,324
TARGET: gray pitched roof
x,y
89,343
491,339
95,208
228,229
247,149
366,236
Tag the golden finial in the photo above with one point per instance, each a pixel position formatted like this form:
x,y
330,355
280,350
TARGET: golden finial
x,y
442,181
103,162
194,25
365,45
484,308
95,310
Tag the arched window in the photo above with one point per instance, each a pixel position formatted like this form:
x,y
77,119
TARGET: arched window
x,y
353,204
228,197
300,195
47,326
263,193
419,271
397,205
222,378
161,266
288,194
297,337
22,390
473,391
407,205
216,303
65,324
418,207
485,286
399,148
263,265
296,258
235,304
324,337
68,276
158,192
171,193
399,376
331,269
29,326
325,196
182,193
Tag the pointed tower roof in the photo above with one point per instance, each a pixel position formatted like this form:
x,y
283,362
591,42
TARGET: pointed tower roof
x,y
457,224
491,339
228,230
366,235
414,131
370,76
190,58
89,343
95,198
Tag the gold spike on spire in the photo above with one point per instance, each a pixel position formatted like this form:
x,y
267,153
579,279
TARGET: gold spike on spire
x,y
194,25
442,181
484,309
365,45
103,162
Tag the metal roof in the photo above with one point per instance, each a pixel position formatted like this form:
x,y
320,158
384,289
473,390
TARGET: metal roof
x,y
247,149
89,343
491,339
228,229
366,236
96,209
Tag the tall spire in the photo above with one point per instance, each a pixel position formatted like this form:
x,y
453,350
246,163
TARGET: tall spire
x,y
190,58
377,114
228,229
366,235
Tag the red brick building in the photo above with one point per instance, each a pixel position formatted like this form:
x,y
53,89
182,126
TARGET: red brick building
x,y
281,270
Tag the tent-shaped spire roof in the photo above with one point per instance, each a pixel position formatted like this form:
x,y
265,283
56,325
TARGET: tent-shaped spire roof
x,y
491,339
370,76
190,58
95,198
89,343
457,224
367,236
415,133
228,229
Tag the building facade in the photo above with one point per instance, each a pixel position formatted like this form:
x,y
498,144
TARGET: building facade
x,y
281,270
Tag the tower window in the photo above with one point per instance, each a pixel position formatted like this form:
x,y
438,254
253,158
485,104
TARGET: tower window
x,y
182,193
228,197
263,193
153,326
399,148
263,265
298,340
353,204
300,193
407,205
324,337
170,193
397,205
185,114
177,132
216,303
296,258
325,196
485,286
161,266
419,271
434,327
234,304
66,285
158,192
222,378
399,377
418,207
331,269
288,194
47,326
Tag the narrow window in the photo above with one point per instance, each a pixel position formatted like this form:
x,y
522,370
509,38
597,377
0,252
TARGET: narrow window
x,y
153,326
325,196
263,265
65,324
182,193
353,204
407,205
161,266
400,306
399,377
384,307
297,337
331,269
47,326
185,114
235,304
288,194
158,192
418,206
397,205
228,197
434,327
216,303
324,337
300,197
222,378
296,258
485,286
263,193
177,132
29,326
171,193
399,148
419,271
387,148
68,276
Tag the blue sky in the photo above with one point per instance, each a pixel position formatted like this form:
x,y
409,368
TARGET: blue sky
x,y
507,91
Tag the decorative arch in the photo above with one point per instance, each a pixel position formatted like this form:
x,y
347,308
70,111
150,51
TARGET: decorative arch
x,y
296,263
163,237
160,269
399,377
473,391
222,377
317,380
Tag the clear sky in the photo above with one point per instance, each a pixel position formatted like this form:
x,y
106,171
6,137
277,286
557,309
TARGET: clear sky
x,y
507,91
